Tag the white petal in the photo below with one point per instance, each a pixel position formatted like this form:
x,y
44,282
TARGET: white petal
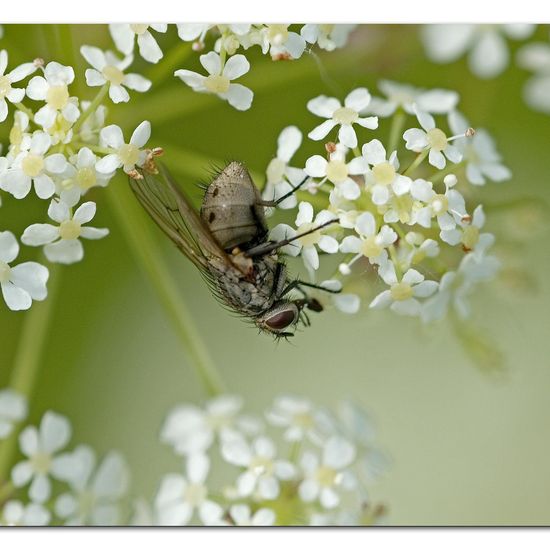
x,y
288,143
236,66
55,432
358,99
239,96
108,164
338,453
148,47
40,489
310,257
316,166
407,307
321,131
416,139
323,106
197,468
425,289
366,225
141,134
412,277
94,56
37,88
437,159
490,55
9,248
55,163
16,298
111,136
137,82
93,233
64,251
85,212
118,94
31,277
191,78
211,62
347,136
328,244
21,473
351,244
446,43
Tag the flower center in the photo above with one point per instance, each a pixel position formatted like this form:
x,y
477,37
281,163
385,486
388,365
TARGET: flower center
x,y
86,177
139,29
437,139
371,248
401,291
113,75
69,229
217,83
195,493
470,237
260,465
57,97
337,171
277,34
312,238
384,173
5,272
128,154
16,135
5,86
41,462
440,204
32,165
345,115
326,29
304,420
326,476
403,206
276,171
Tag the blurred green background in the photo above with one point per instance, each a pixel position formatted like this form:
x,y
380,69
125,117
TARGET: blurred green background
x,y
466,446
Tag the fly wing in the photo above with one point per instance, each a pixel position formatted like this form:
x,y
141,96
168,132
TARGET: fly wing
x,y
174,214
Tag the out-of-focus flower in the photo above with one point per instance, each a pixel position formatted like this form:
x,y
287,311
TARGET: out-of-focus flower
x,y
22,283
327,37
242,515
125,35
535,57
96,492
108,68
281,43
13,406
219,79
62,244
15,513
488,51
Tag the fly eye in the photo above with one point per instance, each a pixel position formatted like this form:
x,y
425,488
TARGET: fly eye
x,y
281,320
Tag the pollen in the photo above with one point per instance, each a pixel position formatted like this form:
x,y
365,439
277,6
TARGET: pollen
x,y
41,462
384,173
217,83
440,204
128,154
437,139
86,177
32,165
401,291
326,476
337,171
57,97
345,115
5,272
312,238
371,248
69,229
113,75
470,237
139,29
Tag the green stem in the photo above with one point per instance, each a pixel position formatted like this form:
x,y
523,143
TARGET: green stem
x,y
397,124
92,107
25,110
94,148
136,229
417,162
449,169
28,358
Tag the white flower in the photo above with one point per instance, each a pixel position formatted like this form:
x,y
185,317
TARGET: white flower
x,y
449,208
108,68
337,172
91,127
371,243
189,429
323,478
80,176
96,492
179,496
468,233
20,138
380,174
53,88
431,138
344,116
191,32
488,51
478,152
535,57
282,178
40,447
125,155
22,283
242,516
405,96
13,95
13,406
33,166
307,244
61,241
281,43
419,248
456,287
15,513
327,37
124,36
263,469
402,295
219,79
298,416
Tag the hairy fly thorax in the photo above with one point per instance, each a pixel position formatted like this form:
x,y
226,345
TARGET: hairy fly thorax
x,y
228,241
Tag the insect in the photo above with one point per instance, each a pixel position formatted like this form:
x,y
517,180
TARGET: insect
x,y
228,242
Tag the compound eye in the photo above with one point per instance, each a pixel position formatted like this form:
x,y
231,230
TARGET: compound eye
x,y
281,320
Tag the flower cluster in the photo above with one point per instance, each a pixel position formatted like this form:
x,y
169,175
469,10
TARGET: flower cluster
x,y
61,147
223,64
407,230
298,464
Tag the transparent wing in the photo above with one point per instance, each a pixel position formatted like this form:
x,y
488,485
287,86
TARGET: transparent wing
x,y
175,215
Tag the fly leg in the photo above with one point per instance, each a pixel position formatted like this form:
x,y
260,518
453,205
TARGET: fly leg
x,y
310,303
273,203
265,248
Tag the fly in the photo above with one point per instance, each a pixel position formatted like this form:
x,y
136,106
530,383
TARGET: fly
x,y
228,242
